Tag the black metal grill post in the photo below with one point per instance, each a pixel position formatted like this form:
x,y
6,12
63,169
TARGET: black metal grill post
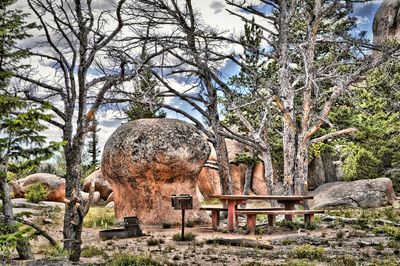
x,y
183,225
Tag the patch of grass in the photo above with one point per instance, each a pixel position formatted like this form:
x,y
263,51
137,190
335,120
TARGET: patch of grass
x,y
100,218
345,260
340,234
36,193
123,259
50,251
309,252
166,225
388,230
211,202
287,242
388,261
298,263
187,237
393,244
155,241
91,251
190,224
260,230
295,225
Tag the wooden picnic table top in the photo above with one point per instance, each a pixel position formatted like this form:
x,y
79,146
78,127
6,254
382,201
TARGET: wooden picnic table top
x,y
261,197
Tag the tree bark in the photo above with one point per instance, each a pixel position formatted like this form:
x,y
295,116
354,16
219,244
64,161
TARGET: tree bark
x,y
268,171
73,218
248,178
23,247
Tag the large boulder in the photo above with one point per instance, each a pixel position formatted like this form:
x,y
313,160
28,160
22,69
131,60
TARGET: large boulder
x,y
387,21
54,184
367,193
101,185
148,160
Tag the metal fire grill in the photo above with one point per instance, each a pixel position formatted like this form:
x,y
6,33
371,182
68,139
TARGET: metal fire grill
x,y
182,202
131,229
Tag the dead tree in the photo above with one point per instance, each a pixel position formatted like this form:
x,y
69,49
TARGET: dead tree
x,y
317,61
78,42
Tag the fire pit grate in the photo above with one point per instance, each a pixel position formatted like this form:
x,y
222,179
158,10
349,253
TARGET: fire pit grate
x,y
131,229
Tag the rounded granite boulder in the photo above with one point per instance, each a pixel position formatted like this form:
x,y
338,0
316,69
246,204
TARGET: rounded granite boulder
x,y
148,160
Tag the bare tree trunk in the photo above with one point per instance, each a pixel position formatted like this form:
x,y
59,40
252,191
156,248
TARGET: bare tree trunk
x,y
300,184
268,171
289,158
223,164
248,178
23,247
73,218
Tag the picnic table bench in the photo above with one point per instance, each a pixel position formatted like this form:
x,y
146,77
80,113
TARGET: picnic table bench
x,y
252,216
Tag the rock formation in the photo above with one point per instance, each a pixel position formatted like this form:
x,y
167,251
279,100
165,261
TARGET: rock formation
x,y
148,160
367,193
54,184
387,21
101,185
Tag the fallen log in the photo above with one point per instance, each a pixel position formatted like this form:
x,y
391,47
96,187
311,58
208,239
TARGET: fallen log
x,y
239,243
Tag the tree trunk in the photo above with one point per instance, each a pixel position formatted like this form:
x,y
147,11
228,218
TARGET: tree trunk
x,y
73,218
289,158
248,178
301,175
23,247
329,168
223,164
268,171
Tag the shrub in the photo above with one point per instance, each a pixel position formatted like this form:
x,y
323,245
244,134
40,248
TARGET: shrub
x,y
308,252
100,217
188,237
345,260
123,259
391,231
155,241
340,234
36,193
190,223
50,251
9,241
91,251
166,225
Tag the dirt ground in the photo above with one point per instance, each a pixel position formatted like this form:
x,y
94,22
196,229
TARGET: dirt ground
x,y
341,244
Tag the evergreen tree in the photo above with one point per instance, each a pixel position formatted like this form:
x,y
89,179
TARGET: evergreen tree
x,y
145,100
21,145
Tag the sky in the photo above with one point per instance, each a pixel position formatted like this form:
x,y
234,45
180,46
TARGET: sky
x,y
214,14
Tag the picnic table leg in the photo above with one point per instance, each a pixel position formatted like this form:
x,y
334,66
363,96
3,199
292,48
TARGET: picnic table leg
x,y
215,219
251,224
271,219
289,206
309,218
231,215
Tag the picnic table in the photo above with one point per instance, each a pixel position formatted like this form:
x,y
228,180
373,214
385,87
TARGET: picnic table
x,y
232,202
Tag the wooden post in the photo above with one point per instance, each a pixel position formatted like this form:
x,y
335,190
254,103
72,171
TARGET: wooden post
x,y
215,219
309,218
231,215
251,224
271,219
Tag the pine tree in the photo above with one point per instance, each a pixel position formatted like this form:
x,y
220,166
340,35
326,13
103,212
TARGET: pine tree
x,y
145,98
21,145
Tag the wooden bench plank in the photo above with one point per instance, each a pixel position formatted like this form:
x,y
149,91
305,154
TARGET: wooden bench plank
x,y
252,216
